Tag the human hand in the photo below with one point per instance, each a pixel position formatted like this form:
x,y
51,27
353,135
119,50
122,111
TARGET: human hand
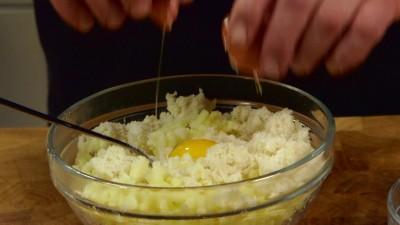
x,y
111,14
270,37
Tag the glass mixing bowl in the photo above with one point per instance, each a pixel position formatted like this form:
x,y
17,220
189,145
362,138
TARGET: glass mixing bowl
x,y
393,204
280,197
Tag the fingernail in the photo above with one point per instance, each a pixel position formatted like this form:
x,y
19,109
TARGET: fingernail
x,y
169,21
224,32
225,43
140,10
233,63
300,69
333,68
115,18
85,22
270,69
146,6
239,35
171,14
333,65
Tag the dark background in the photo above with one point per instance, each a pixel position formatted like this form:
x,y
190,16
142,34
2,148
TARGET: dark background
x,y
81,64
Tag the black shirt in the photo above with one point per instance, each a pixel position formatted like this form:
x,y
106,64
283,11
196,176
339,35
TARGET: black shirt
x,y
82,64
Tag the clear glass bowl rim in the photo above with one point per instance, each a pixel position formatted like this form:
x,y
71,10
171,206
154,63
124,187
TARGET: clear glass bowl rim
x,y
327,142
390,204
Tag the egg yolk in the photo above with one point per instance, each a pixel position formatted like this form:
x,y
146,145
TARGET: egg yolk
x,y
196,148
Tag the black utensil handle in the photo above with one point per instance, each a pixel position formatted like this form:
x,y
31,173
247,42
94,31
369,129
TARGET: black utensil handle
x,y
64,123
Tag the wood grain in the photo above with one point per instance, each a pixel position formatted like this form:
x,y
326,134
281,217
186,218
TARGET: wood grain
x,y
367,164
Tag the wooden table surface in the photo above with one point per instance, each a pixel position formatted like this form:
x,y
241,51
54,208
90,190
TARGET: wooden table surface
x,y
367,164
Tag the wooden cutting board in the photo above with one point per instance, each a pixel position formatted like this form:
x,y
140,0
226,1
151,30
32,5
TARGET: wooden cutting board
x,y
367,164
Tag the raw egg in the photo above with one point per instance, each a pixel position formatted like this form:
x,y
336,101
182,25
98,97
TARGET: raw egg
x,y
196,148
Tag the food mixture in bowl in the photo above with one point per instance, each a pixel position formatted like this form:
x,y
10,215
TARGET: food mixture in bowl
x,y
196,145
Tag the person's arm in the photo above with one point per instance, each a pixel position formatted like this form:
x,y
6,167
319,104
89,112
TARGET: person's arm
x,y
111,14
271,37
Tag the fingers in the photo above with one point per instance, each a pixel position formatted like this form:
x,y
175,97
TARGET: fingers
x,y
287,24
367,29
109,13
137,9
172,12
397,9
164,12
245,21
303,33
75,13
240,33
329,23
241,60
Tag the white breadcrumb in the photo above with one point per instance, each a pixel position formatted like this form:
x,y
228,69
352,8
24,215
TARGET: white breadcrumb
x,y
250,142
